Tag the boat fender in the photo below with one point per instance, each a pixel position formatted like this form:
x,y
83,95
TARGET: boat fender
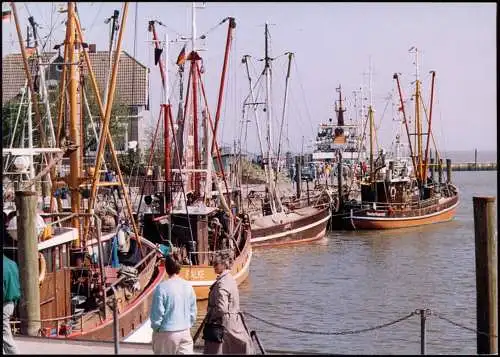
x,y
42,266
393,192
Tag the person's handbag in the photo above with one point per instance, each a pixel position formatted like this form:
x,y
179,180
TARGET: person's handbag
x,y
213,332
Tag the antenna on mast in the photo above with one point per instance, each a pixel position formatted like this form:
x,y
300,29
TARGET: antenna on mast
x,y
414,50
370,80
193,23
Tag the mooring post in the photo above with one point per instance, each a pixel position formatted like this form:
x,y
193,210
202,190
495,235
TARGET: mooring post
x,y
431,169
486,275
423,317
448,170
27,245
298,178
440,172
475,159
116,323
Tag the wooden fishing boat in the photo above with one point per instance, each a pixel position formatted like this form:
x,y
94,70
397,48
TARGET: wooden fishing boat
x,y
399,192
282,220
298,226
195,214
80,287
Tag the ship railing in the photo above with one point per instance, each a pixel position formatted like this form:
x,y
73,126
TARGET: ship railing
x,y
58,323
416,208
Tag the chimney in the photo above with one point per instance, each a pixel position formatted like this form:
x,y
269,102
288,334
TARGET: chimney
x,y
92,48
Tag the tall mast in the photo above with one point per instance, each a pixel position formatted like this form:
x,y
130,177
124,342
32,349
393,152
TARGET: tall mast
x,y
370,118
193,26
267,69
370,80
252,102
74,157
112,23
429,132
418,124
290,55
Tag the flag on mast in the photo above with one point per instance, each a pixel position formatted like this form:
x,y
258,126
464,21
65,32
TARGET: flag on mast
x,y
182,57
6,12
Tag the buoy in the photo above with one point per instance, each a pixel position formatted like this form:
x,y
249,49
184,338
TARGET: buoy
x,y
393,192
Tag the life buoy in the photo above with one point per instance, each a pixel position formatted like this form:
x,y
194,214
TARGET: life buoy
x,y
392,192
42,267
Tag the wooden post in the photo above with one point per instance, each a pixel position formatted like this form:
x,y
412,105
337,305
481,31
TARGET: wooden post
x,y
422,331
475,159
440,172
486,275
339,178
431,169
27,243
298,174
448,170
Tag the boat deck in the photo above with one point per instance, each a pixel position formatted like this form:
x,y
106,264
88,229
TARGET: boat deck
x,y
281,217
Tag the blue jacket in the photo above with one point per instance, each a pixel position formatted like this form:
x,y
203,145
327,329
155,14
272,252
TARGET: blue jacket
x,y
174,306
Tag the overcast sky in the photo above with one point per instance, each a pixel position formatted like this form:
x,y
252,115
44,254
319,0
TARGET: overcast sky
x,y
333,44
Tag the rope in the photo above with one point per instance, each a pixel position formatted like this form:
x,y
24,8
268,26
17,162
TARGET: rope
x,y
439,316
333,333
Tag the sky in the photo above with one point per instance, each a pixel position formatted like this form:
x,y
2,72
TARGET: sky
x,y
333,44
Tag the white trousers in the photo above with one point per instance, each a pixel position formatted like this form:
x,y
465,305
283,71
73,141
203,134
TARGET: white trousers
x,y
173,342
9,345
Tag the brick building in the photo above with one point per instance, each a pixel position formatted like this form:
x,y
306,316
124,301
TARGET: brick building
x,y
131,86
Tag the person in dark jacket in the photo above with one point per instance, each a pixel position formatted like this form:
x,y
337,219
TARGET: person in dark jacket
x,y
11,295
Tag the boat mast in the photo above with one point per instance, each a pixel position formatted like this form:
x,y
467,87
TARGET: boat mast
x,y
429,132
73,80
290,56
194,57
418,124
252,102
370,118
396,77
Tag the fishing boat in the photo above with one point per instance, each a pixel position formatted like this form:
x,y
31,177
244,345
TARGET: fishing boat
x,y
279,224
399,192
195,212
89,273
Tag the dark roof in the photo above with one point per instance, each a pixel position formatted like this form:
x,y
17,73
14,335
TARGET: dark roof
x,y
13,76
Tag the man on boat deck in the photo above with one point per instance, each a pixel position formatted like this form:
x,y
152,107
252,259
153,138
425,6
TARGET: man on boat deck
x,y
173,313
11,294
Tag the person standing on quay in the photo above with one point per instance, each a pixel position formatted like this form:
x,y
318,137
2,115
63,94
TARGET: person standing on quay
x,y
224,309
173,313
11,294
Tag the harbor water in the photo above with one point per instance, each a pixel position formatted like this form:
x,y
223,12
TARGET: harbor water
x,y
356,280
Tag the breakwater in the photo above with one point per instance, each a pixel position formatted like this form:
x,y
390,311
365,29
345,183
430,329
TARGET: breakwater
x,y
474,166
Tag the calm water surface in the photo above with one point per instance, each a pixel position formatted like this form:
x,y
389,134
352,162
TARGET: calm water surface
x,y
355,280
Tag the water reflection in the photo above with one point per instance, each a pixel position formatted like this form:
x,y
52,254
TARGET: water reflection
x,y
354,280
